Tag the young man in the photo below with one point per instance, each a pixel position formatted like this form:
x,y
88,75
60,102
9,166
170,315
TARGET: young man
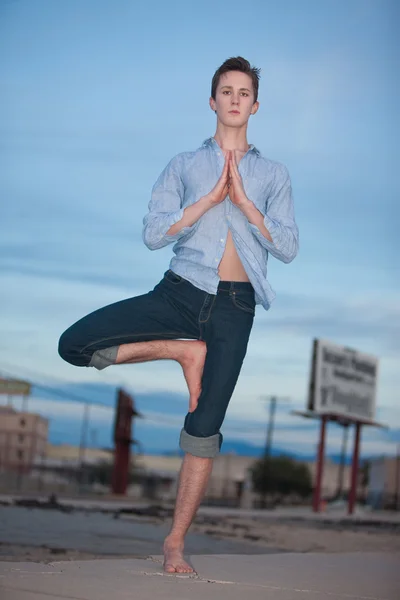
x,y
226,208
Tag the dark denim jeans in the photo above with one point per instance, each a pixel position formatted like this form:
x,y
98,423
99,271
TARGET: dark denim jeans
x,y
176,309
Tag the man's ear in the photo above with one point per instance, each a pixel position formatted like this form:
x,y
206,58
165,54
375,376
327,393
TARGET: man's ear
x,y
255,108
213,106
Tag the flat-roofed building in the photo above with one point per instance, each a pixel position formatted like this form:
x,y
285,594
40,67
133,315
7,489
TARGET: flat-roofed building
x,y
384,482
23,439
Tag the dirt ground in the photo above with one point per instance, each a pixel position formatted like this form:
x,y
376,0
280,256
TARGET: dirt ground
x,y
33,533
304,536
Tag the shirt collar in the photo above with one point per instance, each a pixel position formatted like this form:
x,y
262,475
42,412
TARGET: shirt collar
x,y
212,143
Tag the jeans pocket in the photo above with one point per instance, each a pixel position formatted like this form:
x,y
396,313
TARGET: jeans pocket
x,y
173,277
244,303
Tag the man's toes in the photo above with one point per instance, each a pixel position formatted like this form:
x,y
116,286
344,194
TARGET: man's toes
x,y
169,568
192,406
183,569
193,401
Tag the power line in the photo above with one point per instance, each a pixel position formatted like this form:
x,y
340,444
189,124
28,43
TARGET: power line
x,y
66,395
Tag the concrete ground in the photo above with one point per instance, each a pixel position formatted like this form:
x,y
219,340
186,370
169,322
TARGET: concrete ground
x,y
220,577
89,550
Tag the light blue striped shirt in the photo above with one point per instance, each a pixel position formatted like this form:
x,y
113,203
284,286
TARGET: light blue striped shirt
x,y
199,249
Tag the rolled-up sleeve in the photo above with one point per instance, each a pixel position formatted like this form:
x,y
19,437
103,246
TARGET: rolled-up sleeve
x,y
279,219
165,208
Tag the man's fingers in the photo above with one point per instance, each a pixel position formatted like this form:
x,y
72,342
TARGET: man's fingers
x,y
235,173
222,183
234,167
225,170
224,175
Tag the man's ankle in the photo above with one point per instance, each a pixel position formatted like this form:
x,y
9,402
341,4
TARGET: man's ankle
x,y
174,540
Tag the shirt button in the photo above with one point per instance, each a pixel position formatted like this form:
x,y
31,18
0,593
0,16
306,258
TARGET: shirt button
x,y
222,240
218,153
216,260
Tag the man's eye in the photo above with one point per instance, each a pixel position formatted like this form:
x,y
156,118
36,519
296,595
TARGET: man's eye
x,y
226,92
244,94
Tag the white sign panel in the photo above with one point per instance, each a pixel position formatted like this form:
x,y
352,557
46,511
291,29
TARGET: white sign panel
x,y
343,381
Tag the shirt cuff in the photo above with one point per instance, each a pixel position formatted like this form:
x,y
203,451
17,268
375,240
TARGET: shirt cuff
x,y
273,230
174,218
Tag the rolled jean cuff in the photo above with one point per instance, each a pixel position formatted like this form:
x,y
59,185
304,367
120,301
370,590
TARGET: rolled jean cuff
x,y
203,447
104,358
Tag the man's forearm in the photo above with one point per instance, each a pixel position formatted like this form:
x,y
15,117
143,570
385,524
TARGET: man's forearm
x,y
191,215
255,217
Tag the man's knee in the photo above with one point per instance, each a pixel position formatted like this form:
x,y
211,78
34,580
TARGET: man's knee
x,y
70,350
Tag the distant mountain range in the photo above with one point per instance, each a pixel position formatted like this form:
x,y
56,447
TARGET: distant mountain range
x,y
158,431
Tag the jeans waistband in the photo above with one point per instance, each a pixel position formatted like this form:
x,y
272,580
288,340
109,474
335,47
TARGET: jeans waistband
x,y
237,286
243,287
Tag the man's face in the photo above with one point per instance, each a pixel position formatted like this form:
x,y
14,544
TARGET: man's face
x,y
234,99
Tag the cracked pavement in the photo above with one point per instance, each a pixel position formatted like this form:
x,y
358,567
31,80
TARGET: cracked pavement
x,y
105,556
356,576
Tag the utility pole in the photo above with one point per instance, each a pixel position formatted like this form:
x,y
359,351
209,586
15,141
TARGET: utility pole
x,y
83,442
271,421
268,442
397,479
339,490
271,424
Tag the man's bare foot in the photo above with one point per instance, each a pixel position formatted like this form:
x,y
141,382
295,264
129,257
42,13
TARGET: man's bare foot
x,y
173,559
192,363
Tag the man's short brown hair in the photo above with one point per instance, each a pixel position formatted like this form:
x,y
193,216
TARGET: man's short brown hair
x,y
237,63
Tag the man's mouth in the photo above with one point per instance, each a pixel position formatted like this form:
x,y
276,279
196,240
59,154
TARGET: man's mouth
x,y
234,112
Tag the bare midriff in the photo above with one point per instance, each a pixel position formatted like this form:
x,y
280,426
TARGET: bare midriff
x,y
230,267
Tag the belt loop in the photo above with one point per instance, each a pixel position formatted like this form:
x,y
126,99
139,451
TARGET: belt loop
x,y
232,286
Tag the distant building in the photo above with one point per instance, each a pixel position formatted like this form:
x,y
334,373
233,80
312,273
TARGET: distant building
x,y
384,483
230,477
23,439
330,478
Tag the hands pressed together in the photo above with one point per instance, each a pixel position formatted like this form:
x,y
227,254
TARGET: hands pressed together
x,y
230,183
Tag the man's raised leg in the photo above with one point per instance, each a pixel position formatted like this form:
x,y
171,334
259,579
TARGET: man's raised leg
x,y
189,354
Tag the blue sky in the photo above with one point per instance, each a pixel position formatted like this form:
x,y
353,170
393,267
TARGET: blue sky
x,y
97,96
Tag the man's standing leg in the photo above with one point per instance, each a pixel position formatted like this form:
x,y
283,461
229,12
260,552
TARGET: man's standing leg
x,y
226,331
193,480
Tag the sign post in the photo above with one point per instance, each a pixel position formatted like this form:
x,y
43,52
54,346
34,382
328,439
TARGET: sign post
x,y
14,387
320,466
342,388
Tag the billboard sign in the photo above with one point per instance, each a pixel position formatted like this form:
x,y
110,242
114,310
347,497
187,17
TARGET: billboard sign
x,y
14,387
343,381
